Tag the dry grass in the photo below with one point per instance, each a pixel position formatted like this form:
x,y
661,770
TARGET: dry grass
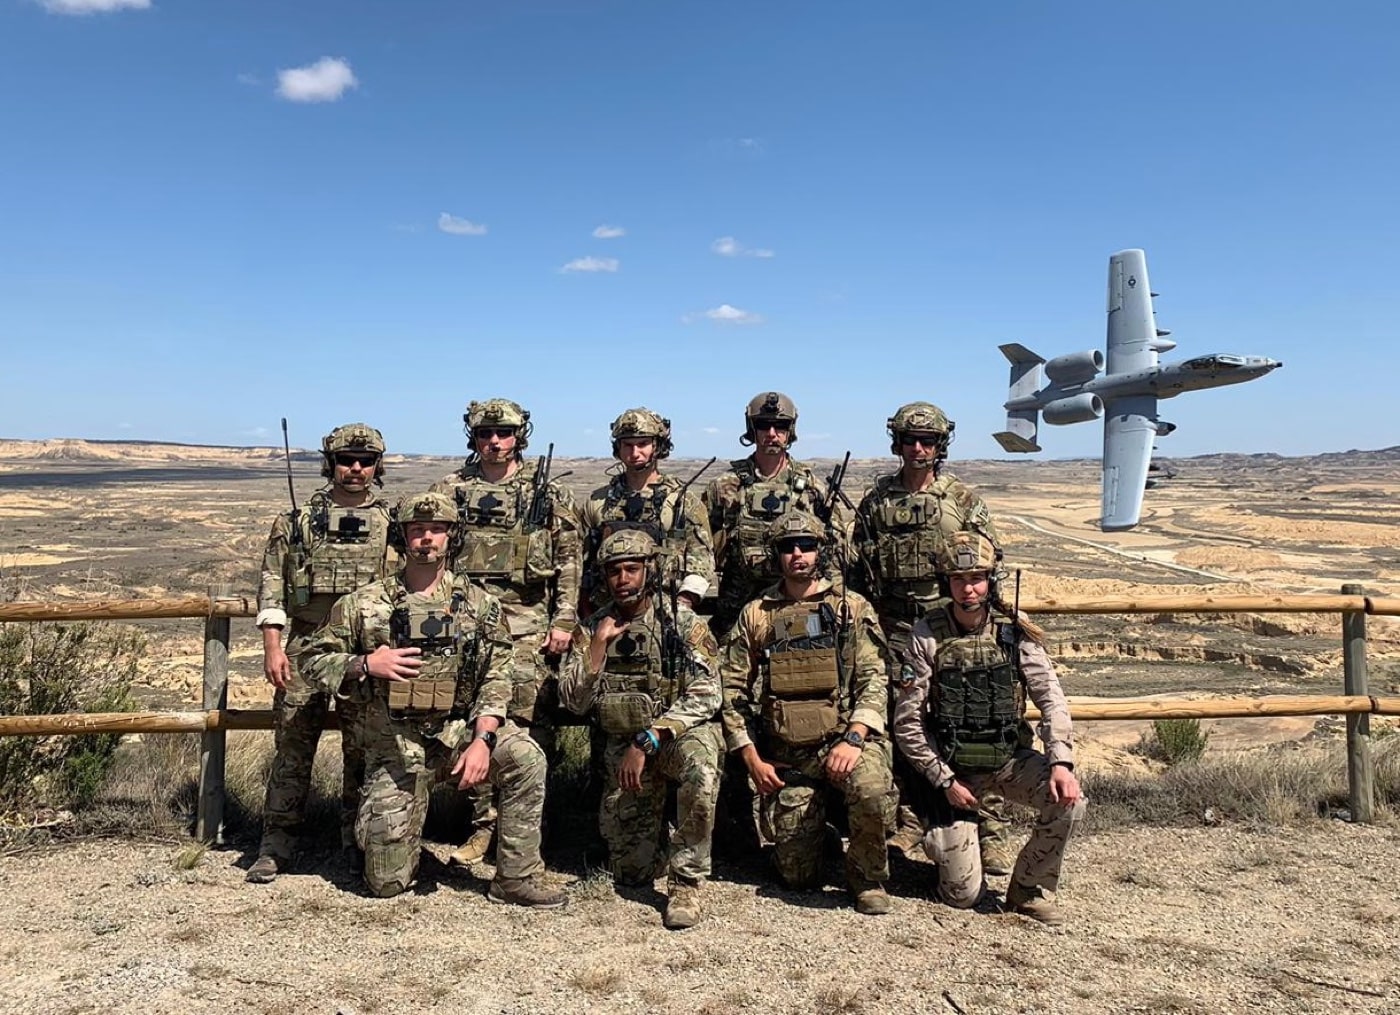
x,y
598,980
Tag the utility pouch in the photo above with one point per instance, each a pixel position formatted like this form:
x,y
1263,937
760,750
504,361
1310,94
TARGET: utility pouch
x,y
625,713
422,695
800,673
802,723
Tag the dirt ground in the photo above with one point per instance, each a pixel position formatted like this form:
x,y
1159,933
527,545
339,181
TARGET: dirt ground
x,y
1214,920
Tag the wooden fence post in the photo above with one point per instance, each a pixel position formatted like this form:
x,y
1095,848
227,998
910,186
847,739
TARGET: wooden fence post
x,y
1360,767
209,826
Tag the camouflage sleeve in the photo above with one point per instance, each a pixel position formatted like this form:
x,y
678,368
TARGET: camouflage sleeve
x,y
1043,688
863,547
871,683
568,555
907,725
578,688
272,583
699,563
700,696
739,673
328,651
493,695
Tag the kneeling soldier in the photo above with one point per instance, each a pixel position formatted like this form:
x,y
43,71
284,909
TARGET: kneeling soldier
x,y
804,705
959,721
429,654
650,681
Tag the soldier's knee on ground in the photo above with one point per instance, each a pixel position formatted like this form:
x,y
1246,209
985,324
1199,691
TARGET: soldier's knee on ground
x,y
799,862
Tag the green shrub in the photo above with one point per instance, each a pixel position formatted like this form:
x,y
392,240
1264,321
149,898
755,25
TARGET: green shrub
x,y
56,668
1174,741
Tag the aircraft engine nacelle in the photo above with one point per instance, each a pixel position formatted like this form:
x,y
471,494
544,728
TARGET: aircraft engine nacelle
x,y
1075,368
1078,409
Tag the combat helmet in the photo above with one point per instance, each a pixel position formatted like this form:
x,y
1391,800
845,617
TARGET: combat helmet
x,y
426,506
769,405
967,553
921,417
499,412
642,422
627,544
352,437
791,524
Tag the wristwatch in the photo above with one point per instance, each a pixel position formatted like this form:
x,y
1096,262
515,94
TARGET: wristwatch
x,y
646,742
946,782
854,739
489,739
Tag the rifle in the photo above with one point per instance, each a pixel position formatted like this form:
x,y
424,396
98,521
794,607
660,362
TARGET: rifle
x,y
301,594
835,495
677,516
538,515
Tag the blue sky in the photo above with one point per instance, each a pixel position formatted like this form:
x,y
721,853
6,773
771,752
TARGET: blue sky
x,y
214,215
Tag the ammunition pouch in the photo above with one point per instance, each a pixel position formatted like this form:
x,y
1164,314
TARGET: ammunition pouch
x,y
421,695
434,631
977,725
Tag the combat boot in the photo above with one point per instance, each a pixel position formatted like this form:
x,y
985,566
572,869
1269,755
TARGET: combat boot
x,y
871,897
1035,902
264,870
996,856
683,907
476,847
531,892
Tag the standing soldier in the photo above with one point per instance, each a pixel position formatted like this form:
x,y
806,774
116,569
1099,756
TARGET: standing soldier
x,y
642,497
335,543
902,523
651,683
430,655
746,499
518,538
805,691
960,722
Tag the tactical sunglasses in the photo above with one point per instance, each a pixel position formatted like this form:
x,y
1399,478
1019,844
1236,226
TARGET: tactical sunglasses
x,y
499,432
928,440
806,544
363,460
781,425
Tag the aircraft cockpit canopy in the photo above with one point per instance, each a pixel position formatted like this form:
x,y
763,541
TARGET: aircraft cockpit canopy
x,y
1215,361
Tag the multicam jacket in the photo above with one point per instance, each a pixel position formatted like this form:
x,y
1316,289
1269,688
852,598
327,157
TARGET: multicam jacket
x,y
687,548
480,652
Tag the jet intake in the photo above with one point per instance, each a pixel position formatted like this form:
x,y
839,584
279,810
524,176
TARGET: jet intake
x,y
1075,368
1164,428
1078,409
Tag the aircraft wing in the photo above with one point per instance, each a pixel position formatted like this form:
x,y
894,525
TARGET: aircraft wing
x,y
1132,325
1129,426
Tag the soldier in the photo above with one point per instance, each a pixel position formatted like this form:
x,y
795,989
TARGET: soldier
x,y
960,722
337,542
430,656
744,501
651,683
902,522
804,705
641,496
518,538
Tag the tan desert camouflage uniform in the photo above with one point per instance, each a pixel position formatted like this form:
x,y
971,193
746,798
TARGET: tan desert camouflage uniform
x,y
678,674
938,648
797,739
680,527
409,748
301,579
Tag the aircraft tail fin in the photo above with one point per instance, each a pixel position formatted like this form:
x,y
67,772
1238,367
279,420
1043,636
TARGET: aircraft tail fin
x,y
1019,437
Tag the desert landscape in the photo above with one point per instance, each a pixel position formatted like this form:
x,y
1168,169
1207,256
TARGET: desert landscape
x,y
1212,918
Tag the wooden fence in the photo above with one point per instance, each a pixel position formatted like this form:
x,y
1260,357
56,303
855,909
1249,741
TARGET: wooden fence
x,y
215,718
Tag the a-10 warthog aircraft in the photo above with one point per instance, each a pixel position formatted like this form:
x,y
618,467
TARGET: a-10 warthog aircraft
x,y
1076,388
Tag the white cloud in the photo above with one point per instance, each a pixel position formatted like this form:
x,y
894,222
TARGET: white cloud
x,y
608,264
709,429
728,246
323,81
608,232
93,6
459,227
724,314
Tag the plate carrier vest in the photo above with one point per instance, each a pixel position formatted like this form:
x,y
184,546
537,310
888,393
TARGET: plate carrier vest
x,y
977,699
804,675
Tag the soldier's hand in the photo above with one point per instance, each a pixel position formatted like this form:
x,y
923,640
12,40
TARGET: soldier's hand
x,y
1064,786
629,773
841,762
609,630
556,642
394,663
690,599
473,764
766,779
277,668
961,798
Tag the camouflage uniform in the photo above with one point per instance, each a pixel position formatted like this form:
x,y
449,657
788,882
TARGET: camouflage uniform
x,y
409,745
795,816
687,549
990,751
311,559
675,664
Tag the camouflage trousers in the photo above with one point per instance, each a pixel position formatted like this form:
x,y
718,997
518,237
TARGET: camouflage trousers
x,y
403,762
794,818
300,715
633,823
1024,779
